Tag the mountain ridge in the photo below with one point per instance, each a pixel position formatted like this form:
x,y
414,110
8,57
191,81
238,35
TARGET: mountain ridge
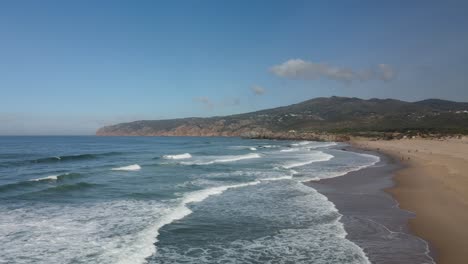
x,y
327,118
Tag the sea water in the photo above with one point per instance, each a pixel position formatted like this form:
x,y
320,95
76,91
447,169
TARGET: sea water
x,y
171,200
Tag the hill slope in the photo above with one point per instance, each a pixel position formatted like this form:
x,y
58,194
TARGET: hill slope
x,y
332,116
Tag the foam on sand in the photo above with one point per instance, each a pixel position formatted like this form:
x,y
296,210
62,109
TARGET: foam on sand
x,y
133,167
178,156
373,160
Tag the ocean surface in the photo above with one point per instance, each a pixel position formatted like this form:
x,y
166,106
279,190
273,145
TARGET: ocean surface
x,y
171,200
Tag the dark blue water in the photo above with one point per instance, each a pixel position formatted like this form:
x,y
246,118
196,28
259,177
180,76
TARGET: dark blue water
x,y
170,200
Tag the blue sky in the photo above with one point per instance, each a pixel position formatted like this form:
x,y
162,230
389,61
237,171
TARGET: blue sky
x,y
69,67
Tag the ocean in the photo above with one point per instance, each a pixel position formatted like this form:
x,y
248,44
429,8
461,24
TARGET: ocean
x,y
171,200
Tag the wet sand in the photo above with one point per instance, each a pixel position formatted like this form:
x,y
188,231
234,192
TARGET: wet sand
x,y
371,216
434,185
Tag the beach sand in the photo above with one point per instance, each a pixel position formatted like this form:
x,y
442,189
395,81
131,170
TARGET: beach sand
x,y
434,185
371,217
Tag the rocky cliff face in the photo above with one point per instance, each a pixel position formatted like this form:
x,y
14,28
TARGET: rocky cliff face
x,y
187,128
242,129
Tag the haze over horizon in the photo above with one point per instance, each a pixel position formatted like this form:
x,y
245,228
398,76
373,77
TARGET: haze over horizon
x,y
69,68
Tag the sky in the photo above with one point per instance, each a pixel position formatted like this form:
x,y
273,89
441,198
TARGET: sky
x,y
70,67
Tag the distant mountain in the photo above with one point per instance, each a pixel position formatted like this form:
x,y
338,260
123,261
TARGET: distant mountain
x,y
320,116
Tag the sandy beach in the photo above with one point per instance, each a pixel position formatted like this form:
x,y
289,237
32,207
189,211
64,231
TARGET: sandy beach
x,y
371,216
434,185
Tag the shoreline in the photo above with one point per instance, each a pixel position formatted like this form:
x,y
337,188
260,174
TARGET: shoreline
x,y
371,216
433,183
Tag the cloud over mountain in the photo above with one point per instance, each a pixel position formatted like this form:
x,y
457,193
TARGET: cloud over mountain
x,y
305,70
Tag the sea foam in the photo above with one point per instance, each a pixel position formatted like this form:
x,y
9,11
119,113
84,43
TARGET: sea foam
x,y
222,159
290,150
133,167
55,177
302,143
48,178
311,158
373,160
150,236
178,156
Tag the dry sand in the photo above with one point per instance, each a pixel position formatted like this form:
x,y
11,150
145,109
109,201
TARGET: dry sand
x,y
434,185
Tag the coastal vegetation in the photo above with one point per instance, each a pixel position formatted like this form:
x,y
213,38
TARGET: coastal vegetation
x,y
331,118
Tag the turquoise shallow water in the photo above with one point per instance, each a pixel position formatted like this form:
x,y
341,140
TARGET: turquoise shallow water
x,y
171,200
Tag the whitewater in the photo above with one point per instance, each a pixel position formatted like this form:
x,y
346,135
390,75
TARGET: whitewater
x,y
172,200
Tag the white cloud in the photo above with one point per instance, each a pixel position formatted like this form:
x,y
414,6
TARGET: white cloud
x,y
300,69
257,90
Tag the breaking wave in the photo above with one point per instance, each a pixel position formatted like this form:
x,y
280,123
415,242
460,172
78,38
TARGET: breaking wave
x,y
38,181
56,159
133,167
223,159
178,156
313,157
57,177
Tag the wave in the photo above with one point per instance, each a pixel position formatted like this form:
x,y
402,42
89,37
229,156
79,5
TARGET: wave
x,y
133,167
243,147
56,159
178,156
373,157
268,146
47,191
302,143
375,160
286,177
75,157
64,158
290,150
324,145
314,144
224,159
47,178
35,182
343,234
71,187
315,157
180,211
316,223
